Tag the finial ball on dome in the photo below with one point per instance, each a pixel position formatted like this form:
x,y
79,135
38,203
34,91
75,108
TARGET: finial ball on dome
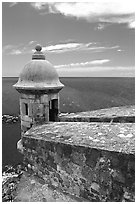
x,y
38,48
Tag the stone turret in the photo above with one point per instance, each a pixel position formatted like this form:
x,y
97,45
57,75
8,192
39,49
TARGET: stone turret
x,y
39,87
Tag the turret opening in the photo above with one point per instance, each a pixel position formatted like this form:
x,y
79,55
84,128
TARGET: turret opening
x,y
53,110
26,109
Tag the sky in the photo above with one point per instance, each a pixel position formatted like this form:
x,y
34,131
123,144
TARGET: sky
x,y
81,39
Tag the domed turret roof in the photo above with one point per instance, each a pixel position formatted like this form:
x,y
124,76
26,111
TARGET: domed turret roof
x,y
38,74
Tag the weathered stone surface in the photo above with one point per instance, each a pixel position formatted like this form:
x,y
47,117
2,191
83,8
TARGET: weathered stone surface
x,y
94,174
116,114
87,134
31,189
92,157
92,161
78,158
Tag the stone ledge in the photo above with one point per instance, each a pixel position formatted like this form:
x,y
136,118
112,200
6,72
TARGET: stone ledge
x,y
118,137
123,114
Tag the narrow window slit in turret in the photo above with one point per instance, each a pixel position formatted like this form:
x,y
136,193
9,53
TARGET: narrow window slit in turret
x,y
26,108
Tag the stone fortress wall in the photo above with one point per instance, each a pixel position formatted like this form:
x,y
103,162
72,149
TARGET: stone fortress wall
x,y
94,161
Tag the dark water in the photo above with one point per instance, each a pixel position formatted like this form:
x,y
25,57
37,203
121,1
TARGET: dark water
x,y
79,94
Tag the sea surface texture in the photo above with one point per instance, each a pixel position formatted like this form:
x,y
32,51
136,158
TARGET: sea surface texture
x,y
79,94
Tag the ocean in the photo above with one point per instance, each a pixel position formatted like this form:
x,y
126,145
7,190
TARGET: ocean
x,y
79,94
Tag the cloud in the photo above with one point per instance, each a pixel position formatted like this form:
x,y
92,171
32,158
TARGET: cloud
x,y
46,7
32,42
57,48
69,47
119,50
63,47
16,49
83,64
132,24
15,52
12,4
19,49
100,26
104,11
7,47
99,61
